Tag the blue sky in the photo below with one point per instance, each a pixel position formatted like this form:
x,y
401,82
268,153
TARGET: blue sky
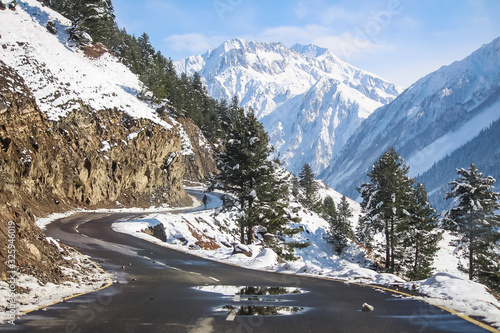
x,y
399,40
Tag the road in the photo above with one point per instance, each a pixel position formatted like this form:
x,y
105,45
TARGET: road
x,y
158,293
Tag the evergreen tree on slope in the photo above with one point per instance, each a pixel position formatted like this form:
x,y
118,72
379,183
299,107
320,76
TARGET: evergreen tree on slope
x,y
340,226
472,218
96,17
329,210
243,164
384,202
420,235
308,183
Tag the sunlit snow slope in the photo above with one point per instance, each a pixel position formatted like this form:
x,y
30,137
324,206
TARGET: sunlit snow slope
x,y
58,73
444,121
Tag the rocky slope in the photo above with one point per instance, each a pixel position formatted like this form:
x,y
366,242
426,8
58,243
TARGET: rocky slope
x,y
74,134
198,160
86,159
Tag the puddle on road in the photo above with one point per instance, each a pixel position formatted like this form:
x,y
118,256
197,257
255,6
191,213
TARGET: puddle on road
x,y
264,291
260,310
255,295
251,290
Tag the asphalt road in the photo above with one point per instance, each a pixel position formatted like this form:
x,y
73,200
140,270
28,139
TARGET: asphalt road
x,y
157,293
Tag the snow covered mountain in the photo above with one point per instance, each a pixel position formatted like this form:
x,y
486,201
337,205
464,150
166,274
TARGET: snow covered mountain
x,y
309,101
444,121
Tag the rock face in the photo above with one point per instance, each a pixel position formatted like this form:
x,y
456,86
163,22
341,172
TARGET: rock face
x,y
200,164
87,159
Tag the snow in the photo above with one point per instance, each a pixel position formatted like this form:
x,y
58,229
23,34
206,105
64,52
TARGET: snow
x,y
132,136
426,123
318,96
309,101
451,141
267,258
446,259
105,146
447,287
83,277
466,297
58,73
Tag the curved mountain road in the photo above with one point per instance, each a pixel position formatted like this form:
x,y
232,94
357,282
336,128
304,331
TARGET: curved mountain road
x,y
157,293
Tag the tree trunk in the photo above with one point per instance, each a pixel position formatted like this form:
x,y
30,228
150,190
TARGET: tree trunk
x,y
387,248
242,234
472,238
250,235
392,245
242,226
415,264
471,261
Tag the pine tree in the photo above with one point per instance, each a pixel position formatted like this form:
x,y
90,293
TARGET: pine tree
x,y
384,202
340,226
147,50
274,215
243,164
472,219
308,183
295,186
224,114
96,17
329,210
420,235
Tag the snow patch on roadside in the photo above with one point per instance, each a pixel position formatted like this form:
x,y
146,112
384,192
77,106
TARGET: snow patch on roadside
x,y
464,296
31,294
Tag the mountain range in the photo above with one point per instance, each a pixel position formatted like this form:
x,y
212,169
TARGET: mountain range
x,y
444,121
309,100
339,119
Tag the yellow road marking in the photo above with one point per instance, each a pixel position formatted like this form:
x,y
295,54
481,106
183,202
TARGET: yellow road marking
x,y
110,282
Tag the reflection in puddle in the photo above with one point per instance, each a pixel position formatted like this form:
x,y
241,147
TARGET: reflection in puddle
x,y
258,310
253,295
251,291
263,291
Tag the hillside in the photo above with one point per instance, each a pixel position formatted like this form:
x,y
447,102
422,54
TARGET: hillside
x,y
74,134
309,100
442,122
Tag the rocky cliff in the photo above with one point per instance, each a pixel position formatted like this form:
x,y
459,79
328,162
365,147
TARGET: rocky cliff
x,y
199,164
87,159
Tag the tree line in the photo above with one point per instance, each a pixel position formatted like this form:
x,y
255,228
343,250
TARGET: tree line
x,y
398,220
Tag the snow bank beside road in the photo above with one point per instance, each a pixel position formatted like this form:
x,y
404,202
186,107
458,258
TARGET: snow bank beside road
x,y
464,296
81,274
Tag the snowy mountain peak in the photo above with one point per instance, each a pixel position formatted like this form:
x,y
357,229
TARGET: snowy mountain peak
x,y
309,100
310,50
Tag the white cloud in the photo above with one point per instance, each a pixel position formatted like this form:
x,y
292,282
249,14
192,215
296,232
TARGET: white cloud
x,y
302,9
195,42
